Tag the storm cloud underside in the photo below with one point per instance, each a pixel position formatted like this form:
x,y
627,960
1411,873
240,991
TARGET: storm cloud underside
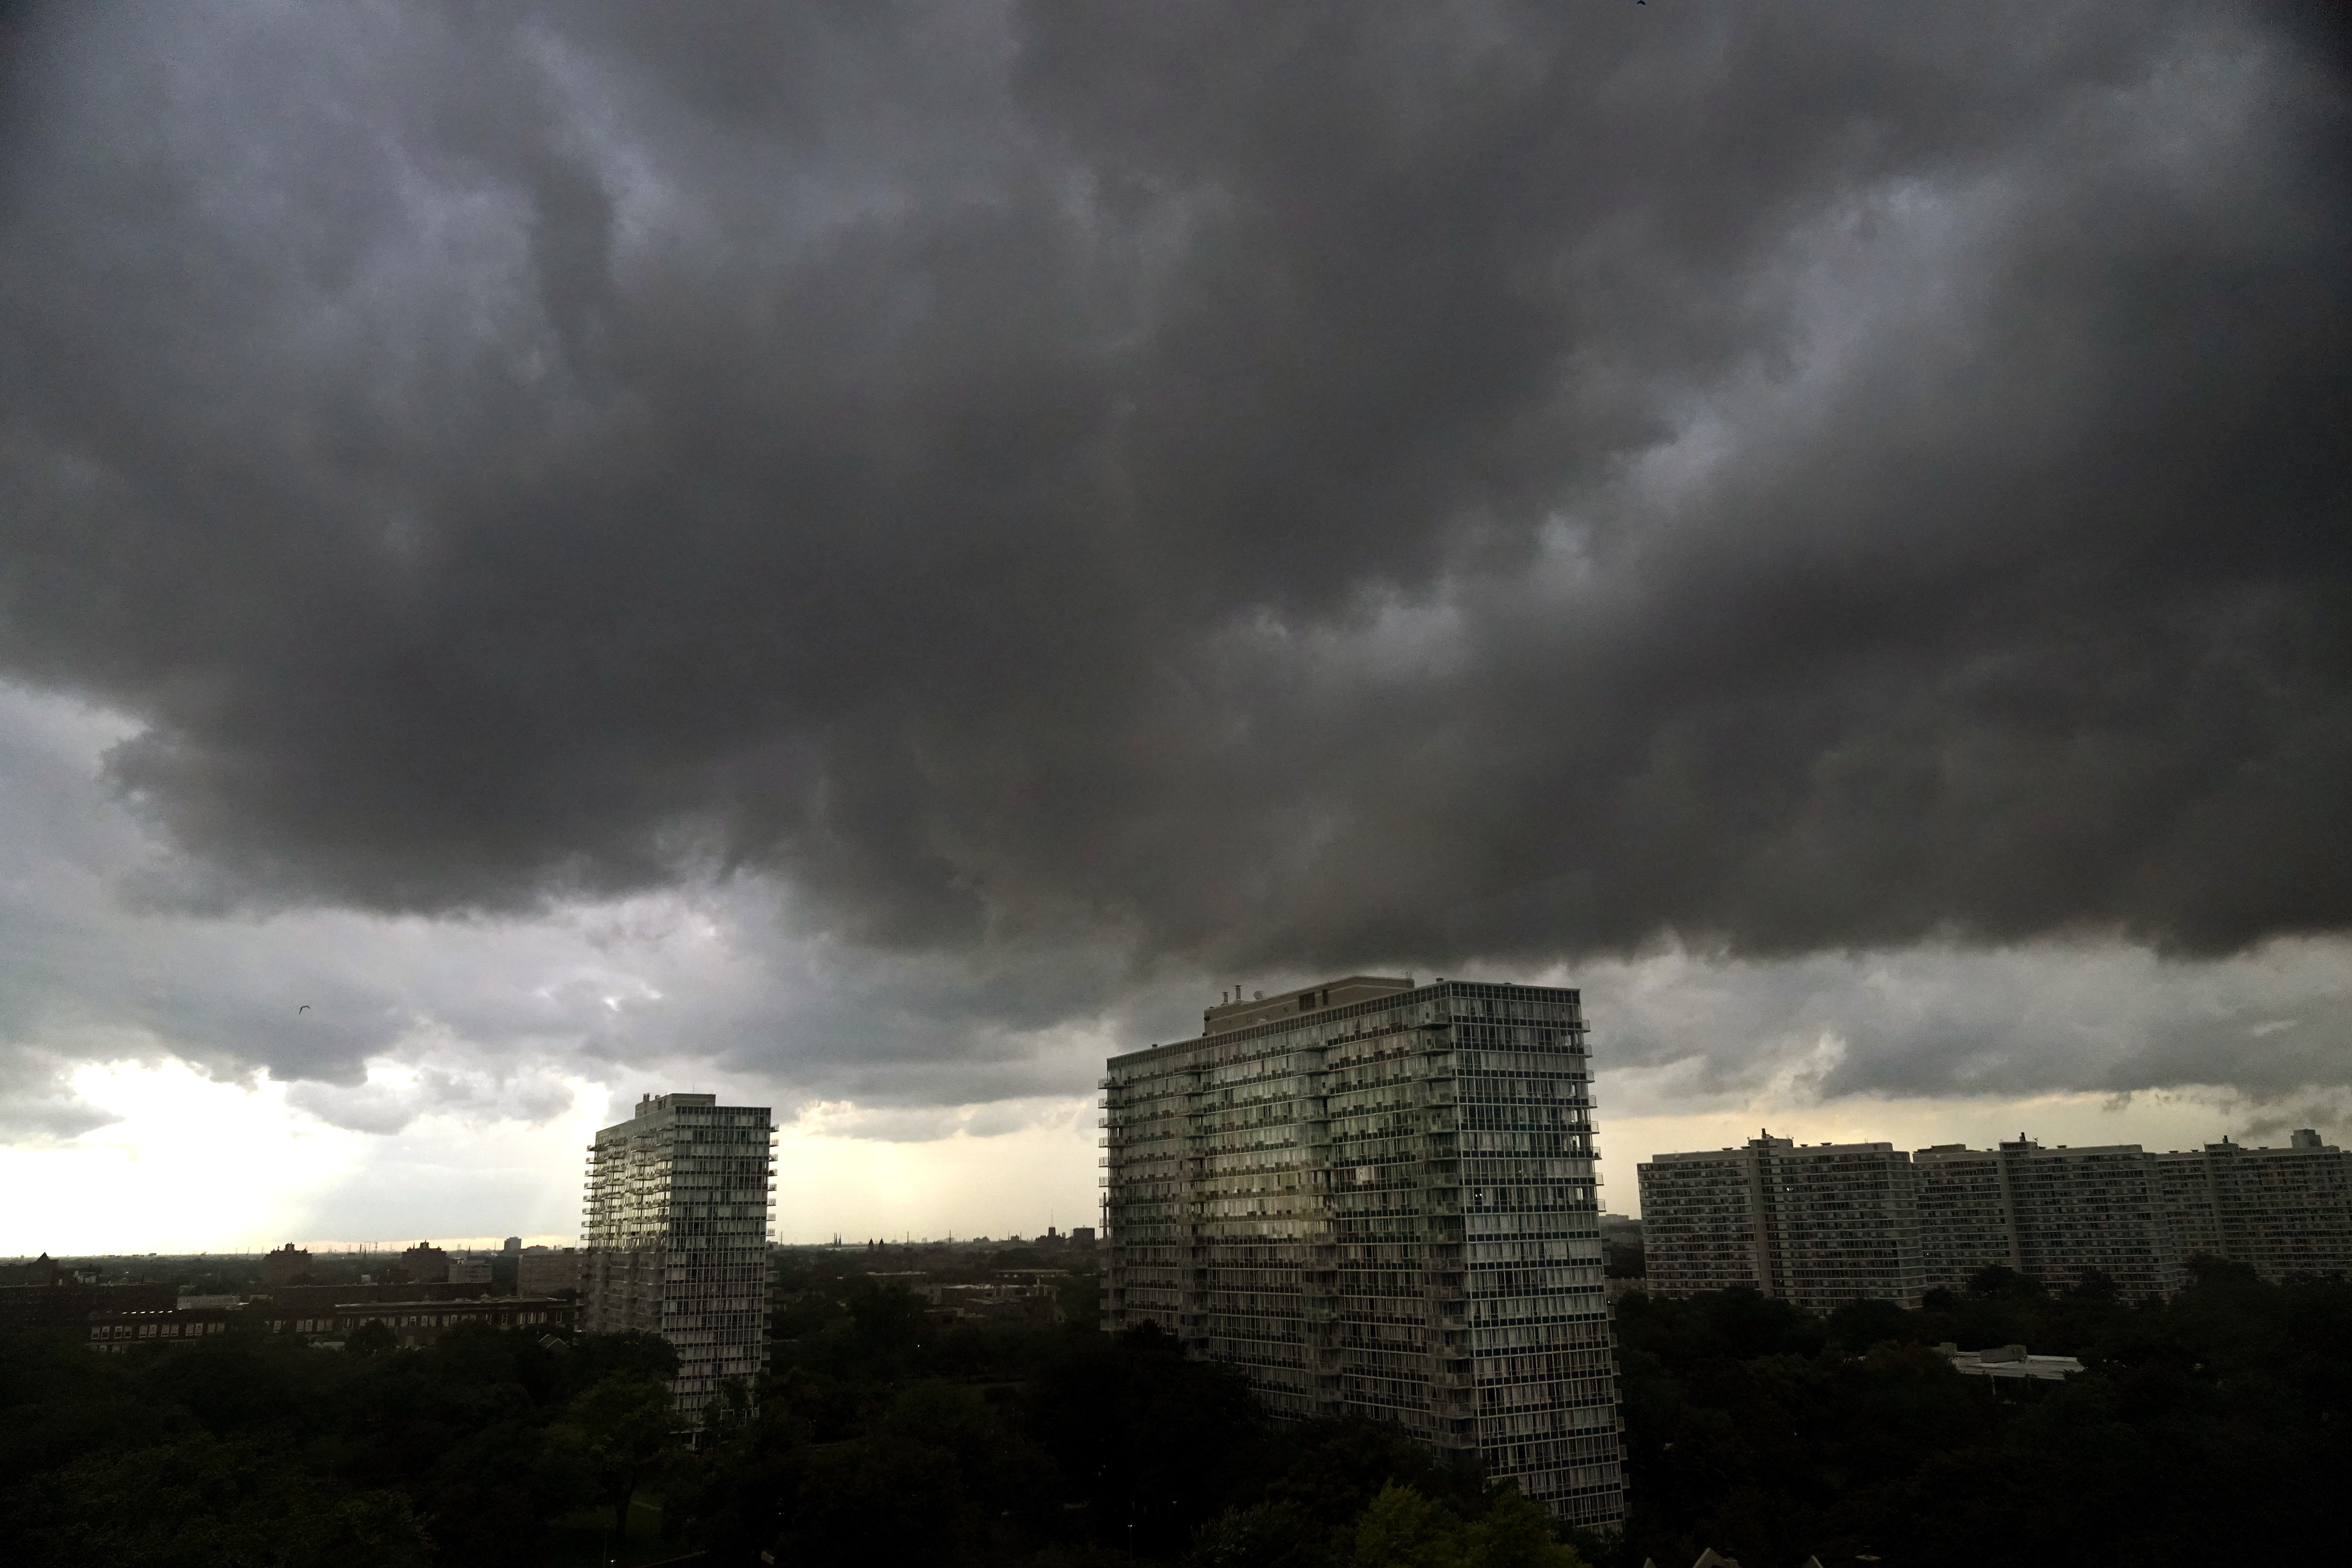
x,y
1210,488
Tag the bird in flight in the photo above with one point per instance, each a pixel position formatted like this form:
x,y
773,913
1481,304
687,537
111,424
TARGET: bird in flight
x,y
302,1009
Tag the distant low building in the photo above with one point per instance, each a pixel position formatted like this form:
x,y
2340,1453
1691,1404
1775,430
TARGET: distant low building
x,y
41,1270
547,1271
299,1298
69,1303
419,1322
424,1262
469,1271
118,1331
2010,1362
1622,1255
1015,1294
288,1266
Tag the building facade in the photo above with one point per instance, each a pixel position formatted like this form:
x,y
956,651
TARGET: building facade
x,y
1377,1199
2058,1215
423,1264
67,1303
1966,1219
2079,1210
1818,1226
547,1271
2281,1212
115,1332
679,1201
2055,1215
1702,1221
290,1265
418,1321
1840,1224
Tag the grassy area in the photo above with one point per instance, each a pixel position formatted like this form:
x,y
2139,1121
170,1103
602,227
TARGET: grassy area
x,y
584,1539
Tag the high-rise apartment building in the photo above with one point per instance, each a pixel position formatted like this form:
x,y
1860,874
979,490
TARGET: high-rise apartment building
x,y
1831,1224
1376,1199
1819,1226
680,1199
1966,1220
1702,1221
2282,1212
2079,1210
2055,1215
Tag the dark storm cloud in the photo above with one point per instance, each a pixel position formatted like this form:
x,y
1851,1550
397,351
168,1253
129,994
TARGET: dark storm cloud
x,y
1284,485
1989,1024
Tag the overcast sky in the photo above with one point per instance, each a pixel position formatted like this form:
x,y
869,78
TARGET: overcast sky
x,y
865,556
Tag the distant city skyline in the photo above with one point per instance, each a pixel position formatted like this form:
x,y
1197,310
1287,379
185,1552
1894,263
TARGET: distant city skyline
x,y
1023,1180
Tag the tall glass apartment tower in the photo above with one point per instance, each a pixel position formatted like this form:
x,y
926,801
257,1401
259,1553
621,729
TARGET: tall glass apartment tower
x,y
1377,1199
679,1201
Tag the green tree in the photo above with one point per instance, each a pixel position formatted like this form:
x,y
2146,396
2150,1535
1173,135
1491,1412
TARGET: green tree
x,y
1402,1529
1516,1532
617,1431
730,1410
204,1503
1080,1297
888,1501
887,1319
372,1337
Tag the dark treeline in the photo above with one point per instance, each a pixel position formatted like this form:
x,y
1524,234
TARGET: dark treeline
x,y
2204,1429
2216,1428
883,1438
256,1449
239,1273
